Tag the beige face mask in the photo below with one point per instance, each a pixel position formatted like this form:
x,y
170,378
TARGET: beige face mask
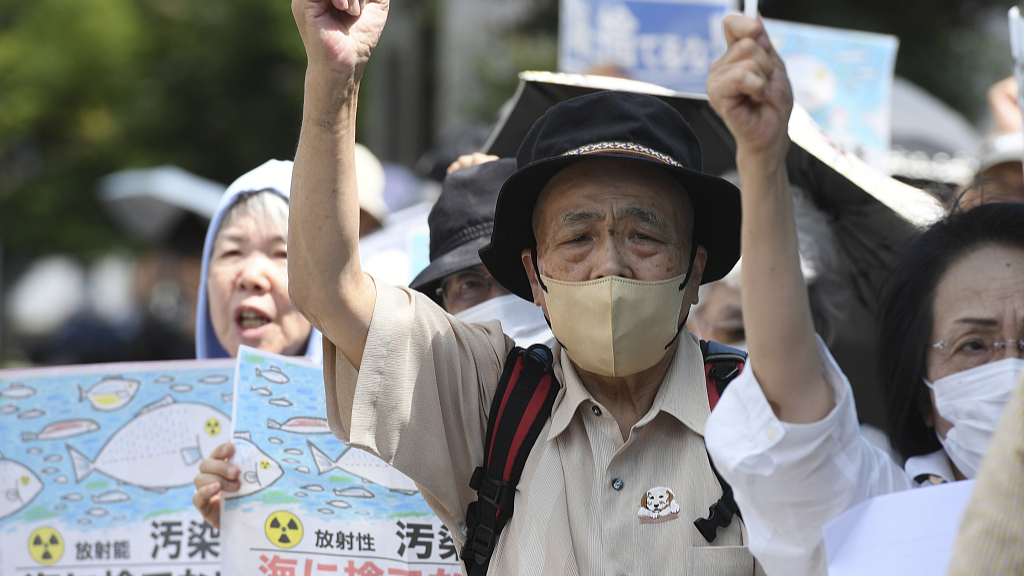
x,y
615,326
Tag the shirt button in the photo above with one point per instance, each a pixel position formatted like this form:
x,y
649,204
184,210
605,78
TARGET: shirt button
x,y
617,484
769,433
597,411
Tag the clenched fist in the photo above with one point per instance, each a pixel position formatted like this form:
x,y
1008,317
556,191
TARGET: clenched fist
x,y
339,35
749,89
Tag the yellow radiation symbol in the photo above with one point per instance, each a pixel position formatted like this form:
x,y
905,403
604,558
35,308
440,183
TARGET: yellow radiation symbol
x,y
46,545
25,480
264,464
213,426
283,529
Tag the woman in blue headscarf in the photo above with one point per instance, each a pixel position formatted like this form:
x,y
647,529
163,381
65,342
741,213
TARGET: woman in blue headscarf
x,y
243,294
243,297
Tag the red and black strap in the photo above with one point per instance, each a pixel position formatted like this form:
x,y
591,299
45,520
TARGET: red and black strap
x,y
520,408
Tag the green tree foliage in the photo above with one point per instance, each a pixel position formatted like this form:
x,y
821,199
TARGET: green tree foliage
x,y
88,87
94,86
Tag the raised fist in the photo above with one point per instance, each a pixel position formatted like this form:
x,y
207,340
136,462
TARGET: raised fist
x,y
340,35
749,89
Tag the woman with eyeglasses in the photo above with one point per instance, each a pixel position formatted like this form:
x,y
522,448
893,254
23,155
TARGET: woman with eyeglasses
x,y
785,433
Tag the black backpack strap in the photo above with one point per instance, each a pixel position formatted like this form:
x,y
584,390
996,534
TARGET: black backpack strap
x,y
722,365
520,409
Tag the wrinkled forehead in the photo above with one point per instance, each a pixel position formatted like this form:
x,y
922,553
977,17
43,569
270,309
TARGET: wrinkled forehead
x,y
593,188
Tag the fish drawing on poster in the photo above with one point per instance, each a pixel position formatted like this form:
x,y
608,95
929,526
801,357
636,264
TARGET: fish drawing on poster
x,y
19,484
111,393
305,496
97,466
671,43
160,448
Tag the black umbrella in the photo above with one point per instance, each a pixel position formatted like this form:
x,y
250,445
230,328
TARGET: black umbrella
x,y
872,215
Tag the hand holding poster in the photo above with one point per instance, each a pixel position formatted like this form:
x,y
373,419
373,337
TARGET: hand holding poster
x,y
97,467
309,504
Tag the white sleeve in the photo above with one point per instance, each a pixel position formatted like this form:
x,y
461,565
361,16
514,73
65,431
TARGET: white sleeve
x,y
790,480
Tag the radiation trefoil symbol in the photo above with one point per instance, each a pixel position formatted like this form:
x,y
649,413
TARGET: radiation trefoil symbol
x,y
283,529
213,427
46,545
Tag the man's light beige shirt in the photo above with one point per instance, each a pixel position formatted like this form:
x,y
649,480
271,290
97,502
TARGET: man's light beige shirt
x,y
420,402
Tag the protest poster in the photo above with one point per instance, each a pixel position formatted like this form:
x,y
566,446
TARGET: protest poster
x,y
844,79
97,467
671,43
309,504
907,533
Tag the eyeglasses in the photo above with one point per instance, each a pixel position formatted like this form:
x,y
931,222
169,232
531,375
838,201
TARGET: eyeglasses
x,y
975,351
465,288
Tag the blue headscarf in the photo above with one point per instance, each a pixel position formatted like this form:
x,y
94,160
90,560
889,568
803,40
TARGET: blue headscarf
x,y
275,175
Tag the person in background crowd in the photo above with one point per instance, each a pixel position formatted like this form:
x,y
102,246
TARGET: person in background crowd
x,y
243,293
785,432
610,226
719,315
243,290
1000,176
372,207
460,225
991,537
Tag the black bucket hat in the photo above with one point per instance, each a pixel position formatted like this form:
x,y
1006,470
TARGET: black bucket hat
x,y
613,125
461,221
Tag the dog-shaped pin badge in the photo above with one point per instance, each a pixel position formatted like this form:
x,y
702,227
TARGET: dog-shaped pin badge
x,y
658,505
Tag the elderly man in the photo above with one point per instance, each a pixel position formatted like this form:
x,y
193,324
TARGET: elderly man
x,y
610,227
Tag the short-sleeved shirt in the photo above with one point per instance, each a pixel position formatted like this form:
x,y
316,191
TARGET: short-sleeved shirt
x,y
584,504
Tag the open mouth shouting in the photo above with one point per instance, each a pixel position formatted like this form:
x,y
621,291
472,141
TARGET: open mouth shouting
x,y
251,322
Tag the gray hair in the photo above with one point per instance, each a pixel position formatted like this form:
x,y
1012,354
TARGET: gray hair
x,y
821,263
824,272
266,206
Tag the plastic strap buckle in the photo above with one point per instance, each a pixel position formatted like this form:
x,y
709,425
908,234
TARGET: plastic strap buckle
x,y
719,516
730,371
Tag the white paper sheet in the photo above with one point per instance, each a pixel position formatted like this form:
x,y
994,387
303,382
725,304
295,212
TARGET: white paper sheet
x,y
906,533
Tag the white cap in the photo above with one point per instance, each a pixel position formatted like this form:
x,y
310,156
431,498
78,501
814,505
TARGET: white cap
x,y
999,148
370,179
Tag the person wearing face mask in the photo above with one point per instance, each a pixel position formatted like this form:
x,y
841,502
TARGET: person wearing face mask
x,y
785,433
460,225
608,225
991,537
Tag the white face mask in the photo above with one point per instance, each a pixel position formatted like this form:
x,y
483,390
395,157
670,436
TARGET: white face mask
x,y
520,320
972,401
615,326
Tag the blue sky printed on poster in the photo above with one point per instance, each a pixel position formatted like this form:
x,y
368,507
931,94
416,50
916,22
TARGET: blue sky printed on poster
x,y
666,42
844,79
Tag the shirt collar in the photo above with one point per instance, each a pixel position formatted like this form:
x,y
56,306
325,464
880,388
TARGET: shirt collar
x,y
682,393
928,467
